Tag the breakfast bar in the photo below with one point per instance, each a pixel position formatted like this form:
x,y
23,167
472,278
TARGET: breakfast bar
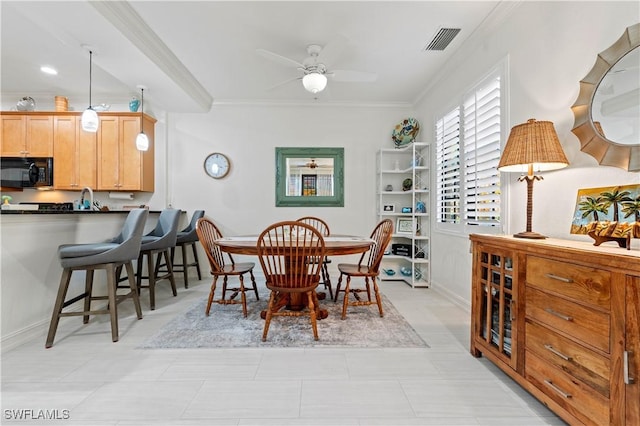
x,y
30,267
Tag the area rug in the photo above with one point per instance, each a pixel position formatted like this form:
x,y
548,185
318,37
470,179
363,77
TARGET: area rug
x,y
227,328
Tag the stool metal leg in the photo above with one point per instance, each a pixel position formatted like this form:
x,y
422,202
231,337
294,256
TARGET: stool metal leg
x,y
134,289
57,309
112,285
185,265
88,289
152,281
195,257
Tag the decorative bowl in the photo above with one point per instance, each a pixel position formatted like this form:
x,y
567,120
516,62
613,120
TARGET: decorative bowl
x,y
405,271
101,107
389,272
26,104
405,132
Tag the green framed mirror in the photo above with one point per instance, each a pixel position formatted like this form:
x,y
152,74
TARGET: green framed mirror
x,y
309,177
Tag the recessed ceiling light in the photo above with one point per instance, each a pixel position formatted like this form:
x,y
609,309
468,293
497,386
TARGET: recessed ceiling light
x,y
48,70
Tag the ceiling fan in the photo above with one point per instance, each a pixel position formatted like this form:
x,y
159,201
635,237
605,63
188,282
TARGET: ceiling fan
x,y
314,67
313,164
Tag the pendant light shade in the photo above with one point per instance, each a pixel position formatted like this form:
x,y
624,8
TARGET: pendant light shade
x,y
314,82
90,120
142,141
89,116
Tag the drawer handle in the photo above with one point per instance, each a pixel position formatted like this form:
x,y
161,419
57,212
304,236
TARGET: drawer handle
x,y
627,380
557,352
559,315
559,278
557,389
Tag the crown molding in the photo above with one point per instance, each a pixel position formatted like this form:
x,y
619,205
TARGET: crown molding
x,y
124,17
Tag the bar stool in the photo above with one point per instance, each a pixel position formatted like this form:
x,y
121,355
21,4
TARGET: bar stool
x,y
110,256
187,237
158,242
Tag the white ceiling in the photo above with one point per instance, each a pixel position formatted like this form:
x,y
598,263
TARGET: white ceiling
x,y
192,53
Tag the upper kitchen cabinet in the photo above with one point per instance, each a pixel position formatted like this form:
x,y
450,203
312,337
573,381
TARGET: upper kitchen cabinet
x,y
26,134
121,167
75,154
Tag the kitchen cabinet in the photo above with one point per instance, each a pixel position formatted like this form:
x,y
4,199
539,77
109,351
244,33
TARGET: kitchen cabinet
x,y
26,134
121,167
573,311
75,154
403,196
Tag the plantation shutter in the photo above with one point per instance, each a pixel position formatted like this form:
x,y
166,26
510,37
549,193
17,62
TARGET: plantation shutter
x,y
481,140
448,167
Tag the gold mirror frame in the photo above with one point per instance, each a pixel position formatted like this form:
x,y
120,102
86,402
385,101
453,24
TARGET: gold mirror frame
x,y
608,153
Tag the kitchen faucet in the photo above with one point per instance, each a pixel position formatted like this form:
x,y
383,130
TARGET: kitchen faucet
x,y
84,190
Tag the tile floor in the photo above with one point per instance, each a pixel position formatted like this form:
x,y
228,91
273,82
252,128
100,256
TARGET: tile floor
x,y
85,379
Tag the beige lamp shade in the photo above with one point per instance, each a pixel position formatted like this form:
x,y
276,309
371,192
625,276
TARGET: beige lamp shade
x,y
534,143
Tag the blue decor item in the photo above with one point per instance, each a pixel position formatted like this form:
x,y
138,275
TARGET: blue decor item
x,y
420,207
134,104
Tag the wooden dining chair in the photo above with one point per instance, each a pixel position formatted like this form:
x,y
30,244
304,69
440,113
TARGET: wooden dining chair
x,y
368,268
291,255
208,232
323,227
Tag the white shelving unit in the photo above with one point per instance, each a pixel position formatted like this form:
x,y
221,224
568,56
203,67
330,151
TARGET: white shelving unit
x,y
411,226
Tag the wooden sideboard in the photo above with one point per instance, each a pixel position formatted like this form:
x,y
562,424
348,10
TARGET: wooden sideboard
x,y
562,319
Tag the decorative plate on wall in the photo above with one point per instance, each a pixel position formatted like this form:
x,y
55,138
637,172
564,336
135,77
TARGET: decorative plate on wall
x,y
405,132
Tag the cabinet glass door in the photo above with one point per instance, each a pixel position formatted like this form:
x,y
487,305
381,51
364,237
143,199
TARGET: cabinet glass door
x,y
496,275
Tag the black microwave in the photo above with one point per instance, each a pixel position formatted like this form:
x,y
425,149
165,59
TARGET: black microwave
x,y
25,172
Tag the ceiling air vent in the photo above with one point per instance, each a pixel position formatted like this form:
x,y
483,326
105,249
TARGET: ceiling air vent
x,y
442,39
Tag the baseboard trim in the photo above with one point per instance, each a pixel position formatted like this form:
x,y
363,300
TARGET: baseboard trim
x,y
451,296
24,335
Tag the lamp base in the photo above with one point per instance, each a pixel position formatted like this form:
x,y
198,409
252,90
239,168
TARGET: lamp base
x,y
530,235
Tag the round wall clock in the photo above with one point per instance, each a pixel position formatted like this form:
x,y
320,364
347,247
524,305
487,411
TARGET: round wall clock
x,y
217,165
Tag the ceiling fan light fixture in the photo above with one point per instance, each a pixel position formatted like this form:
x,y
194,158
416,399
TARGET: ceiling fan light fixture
x,y
314,82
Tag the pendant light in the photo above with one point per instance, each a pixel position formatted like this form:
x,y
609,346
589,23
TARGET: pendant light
x,y
89,116
142,141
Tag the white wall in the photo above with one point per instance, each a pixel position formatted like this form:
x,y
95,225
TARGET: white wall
x,y
550,47
244,201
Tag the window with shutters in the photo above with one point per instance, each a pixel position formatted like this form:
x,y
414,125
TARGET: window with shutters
x,y
468,147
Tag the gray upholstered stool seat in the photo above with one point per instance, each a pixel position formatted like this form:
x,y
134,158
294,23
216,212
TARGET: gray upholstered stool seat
x,y
158,242
110,256
187,237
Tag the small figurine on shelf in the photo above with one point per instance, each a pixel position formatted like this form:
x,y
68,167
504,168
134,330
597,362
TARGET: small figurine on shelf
x,y
407,184
420,207
134,104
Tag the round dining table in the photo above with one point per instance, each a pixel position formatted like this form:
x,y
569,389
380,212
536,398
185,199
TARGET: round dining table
x,y
335,245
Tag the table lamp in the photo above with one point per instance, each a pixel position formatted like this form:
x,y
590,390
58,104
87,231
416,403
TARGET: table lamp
x,y
532,146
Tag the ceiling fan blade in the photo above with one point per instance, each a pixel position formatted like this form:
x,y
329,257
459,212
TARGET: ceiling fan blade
x,y
279,58
282,83
330,53
353,76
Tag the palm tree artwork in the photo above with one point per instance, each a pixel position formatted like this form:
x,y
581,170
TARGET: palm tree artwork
x,y
615,198
592,205
632,208
617,205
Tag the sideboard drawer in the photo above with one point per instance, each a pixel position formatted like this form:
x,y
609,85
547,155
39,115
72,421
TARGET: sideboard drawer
x,y
585,365
582,402
582,323
588,285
